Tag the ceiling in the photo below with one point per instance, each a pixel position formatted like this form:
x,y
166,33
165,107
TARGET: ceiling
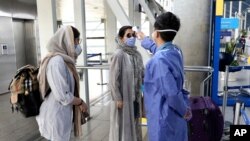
x,y
94,9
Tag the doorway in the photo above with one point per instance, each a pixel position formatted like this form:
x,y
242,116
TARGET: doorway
x,y
25,42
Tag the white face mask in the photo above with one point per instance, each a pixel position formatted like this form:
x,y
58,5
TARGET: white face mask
x,y
153,36
78,49
164,30
167,30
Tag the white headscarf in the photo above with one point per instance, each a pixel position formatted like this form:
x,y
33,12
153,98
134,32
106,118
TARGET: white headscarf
x,y
62,43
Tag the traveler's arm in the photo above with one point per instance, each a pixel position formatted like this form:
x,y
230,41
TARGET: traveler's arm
x,y
57,79
147,43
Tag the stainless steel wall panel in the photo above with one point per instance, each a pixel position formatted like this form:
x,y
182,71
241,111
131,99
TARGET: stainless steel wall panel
x,y
38,48
24,9
7,62
19,40
7,71
17,9
5,8
30,43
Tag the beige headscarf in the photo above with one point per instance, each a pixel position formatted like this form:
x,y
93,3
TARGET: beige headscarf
x,y
62,43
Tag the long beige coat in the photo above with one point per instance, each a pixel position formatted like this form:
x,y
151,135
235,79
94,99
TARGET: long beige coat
x,y
123,125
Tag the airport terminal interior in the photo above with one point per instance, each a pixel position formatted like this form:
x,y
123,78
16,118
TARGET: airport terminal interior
x,y
214,37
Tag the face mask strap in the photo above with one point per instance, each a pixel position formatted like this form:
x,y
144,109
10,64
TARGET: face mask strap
x,y
167,30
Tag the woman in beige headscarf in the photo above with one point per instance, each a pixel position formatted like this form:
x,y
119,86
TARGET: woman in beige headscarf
x,y
59,87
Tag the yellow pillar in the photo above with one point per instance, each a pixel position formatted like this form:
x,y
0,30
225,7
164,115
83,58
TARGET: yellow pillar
x,y
219,7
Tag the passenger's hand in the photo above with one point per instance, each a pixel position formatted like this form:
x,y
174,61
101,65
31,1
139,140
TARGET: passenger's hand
x,y
119,104
140,35
188,114
83,107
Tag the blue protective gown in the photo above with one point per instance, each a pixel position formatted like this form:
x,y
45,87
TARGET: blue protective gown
x,y
165,100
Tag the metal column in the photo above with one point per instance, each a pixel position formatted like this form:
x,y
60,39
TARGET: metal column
x,y
46,22
148,11
79,13
134,14
216,58
110,30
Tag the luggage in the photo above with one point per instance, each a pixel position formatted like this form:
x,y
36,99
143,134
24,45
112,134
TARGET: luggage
x,y
207,121
25,95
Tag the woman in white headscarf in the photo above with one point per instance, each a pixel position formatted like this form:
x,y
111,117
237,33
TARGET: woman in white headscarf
x,y
59,87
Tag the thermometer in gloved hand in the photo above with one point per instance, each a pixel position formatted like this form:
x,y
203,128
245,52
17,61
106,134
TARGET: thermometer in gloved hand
x,y
136,29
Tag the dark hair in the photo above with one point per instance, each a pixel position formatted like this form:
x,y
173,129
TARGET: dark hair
x,y
123,30
167,21
75,32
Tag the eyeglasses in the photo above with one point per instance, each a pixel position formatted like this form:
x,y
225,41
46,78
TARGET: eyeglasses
x,y
79,40
130,35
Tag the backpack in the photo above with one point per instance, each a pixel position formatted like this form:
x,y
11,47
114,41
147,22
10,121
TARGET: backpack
x,y
25,95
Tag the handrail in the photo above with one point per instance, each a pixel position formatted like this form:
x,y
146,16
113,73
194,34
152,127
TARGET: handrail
x,y
245,117
198,68
93,67
89,55
186,68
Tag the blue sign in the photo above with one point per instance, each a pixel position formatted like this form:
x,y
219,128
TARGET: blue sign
x,y
225,33
229,23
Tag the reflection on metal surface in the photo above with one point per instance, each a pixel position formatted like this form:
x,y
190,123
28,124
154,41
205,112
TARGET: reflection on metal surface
x,y
7,62
18,9
5,8
24,9
3,13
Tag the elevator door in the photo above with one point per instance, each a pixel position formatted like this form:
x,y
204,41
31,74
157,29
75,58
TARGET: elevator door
x,y
25,42
19,41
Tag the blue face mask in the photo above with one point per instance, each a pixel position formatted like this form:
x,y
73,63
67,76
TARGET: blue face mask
x,y
130,42
78,49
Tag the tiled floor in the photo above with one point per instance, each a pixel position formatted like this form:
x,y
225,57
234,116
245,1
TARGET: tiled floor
x,y
14,127
97,128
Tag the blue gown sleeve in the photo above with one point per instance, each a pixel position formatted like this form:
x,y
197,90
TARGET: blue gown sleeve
x,y
149,44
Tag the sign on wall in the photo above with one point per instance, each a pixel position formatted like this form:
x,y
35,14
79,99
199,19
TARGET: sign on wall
x,y
229,23
4,49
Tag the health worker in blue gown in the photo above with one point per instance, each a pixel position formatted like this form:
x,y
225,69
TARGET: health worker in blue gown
x,y
166,101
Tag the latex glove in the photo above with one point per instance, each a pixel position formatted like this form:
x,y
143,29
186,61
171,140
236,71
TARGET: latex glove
x,y
140,35
188,114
